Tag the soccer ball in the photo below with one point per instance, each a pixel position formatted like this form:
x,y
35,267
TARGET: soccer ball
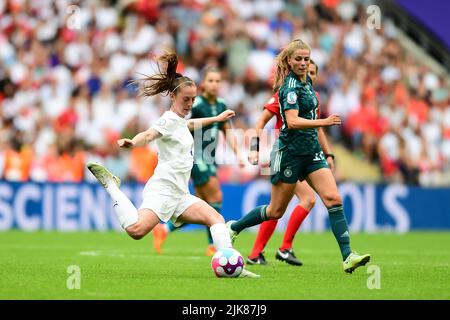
x,y
227,263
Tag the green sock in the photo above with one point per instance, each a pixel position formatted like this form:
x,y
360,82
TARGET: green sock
x,y
340,229
218,207
254,217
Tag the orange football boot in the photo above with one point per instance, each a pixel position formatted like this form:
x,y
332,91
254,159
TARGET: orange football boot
x,y
159,237
210,250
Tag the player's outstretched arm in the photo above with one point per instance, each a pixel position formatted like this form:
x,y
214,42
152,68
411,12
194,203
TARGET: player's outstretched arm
x,y
198,123
233,143
140,139
265,116
294,122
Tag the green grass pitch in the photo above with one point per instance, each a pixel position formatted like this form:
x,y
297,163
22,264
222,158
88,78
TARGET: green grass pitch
x,y
113,266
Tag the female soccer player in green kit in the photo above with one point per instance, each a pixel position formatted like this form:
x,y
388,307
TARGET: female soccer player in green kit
x,y
204,178
297,155
303,191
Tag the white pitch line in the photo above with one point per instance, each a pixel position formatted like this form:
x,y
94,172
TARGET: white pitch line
x,y
123,255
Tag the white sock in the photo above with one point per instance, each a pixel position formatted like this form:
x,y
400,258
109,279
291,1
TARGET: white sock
x,y
221,236
125,211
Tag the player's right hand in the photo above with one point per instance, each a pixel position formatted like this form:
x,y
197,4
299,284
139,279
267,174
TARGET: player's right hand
x,y
253,157
332,120
125,143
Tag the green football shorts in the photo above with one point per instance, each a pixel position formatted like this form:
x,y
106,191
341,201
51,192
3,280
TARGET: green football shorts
x,y
201,172
290,168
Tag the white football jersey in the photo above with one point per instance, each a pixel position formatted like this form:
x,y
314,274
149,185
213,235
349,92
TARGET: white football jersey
x,y
175,154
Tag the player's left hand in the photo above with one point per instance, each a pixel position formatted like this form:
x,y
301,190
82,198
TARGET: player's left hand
x,y
125,143
224,116
253,157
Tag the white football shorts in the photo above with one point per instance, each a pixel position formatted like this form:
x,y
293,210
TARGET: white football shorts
x,y
166,206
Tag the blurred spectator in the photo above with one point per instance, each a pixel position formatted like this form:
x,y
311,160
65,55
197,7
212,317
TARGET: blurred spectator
x,y
143,162
65,91
17,159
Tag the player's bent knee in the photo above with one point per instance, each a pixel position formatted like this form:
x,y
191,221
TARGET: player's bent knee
x,y
332,199
274,213
135,232
136,236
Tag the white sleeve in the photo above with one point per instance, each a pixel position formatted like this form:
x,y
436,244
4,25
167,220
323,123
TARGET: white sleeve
x,y
165,126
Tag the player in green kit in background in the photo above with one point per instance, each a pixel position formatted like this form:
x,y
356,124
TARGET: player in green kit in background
x,y
297,155
204,171
303,191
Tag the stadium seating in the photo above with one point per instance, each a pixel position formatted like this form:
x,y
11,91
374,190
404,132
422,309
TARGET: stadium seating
x,y
65,92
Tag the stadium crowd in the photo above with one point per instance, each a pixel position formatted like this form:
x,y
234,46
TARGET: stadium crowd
x,y
66,66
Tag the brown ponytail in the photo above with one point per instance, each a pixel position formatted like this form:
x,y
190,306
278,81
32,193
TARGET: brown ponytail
x,y
168,81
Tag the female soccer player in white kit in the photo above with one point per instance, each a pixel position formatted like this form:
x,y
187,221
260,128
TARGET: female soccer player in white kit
x,y
166,195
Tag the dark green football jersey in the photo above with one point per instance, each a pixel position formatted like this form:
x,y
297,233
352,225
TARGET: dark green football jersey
x,y
294,94
205,140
